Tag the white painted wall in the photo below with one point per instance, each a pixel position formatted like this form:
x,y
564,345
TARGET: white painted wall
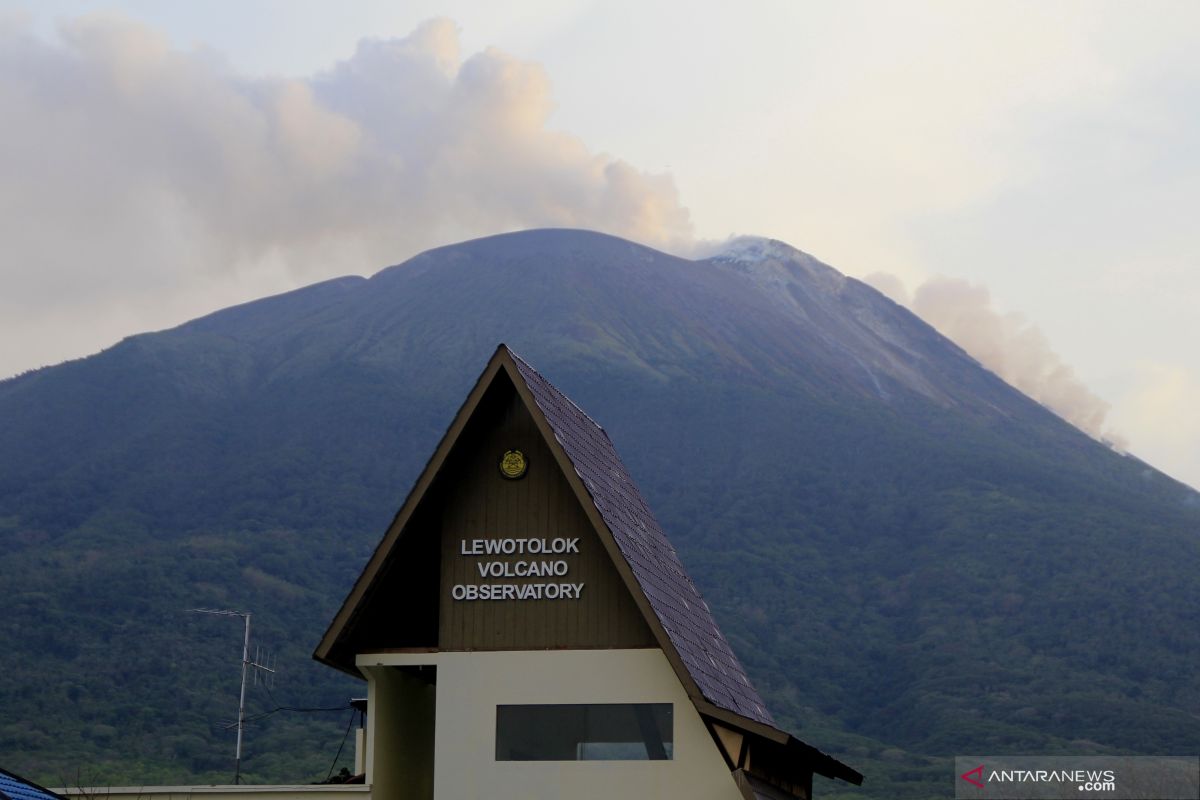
x,y
471,685
400,728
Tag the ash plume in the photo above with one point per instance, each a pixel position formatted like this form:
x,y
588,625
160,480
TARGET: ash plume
x,y
1007,344
144,184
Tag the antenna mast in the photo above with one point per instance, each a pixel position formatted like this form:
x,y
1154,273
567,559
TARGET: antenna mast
x,y
246,664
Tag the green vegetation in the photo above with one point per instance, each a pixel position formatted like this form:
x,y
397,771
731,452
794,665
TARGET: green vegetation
x,y
907,577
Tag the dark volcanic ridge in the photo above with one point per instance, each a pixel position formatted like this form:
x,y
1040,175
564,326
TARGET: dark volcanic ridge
x,y
911,558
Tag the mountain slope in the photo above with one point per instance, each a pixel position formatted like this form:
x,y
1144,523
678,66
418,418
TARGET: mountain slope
x,y
911,557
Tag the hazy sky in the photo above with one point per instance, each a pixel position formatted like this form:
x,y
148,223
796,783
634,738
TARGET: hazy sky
x,y
160,160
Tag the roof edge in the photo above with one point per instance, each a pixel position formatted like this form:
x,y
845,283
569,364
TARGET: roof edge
x,y
822,763
604,533
428,473
28,782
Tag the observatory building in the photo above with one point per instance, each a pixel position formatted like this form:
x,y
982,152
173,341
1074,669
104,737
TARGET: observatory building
x,y
527,631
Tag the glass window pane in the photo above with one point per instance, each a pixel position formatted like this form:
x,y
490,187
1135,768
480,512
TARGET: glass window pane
x,y
585,732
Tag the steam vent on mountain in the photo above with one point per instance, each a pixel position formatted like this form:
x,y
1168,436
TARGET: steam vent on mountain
x,y
527,631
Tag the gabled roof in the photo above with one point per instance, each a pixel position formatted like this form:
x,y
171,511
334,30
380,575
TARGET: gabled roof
x,y
669,601
13,787
697,643
681,611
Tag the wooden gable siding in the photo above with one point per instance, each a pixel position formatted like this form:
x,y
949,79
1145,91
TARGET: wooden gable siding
x,y
400,610
479,503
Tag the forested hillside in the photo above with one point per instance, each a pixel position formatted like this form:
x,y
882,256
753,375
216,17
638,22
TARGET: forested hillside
x,y
913,559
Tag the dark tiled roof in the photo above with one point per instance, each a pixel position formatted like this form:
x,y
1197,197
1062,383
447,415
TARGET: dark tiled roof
x,y
15,788
675,600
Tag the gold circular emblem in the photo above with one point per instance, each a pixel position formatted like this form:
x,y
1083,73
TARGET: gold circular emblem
x,y
513,464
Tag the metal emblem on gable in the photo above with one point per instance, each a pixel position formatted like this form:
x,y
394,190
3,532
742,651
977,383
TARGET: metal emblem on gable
x,y
513,464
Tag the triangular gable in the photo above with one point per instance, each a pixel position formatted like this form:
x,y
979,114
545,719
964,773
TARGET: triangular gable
x,y
402,600
573,599
668,601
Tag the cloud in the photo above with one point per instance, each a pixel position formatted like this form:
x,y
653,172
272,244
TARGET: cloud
x,y
142,182
1007,344
889,285
1160,411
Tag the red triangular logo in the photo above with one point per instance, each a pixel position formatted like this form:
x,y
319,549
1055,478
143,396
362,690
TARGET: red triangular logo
x,y
966,776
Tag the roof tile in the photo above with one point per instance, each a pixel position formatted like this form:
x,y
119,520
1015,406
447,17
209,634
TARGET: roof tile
x,y
674,598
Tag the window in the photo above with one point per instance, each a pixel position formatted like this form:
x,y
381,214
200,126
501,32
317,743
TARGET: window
x,y
585,732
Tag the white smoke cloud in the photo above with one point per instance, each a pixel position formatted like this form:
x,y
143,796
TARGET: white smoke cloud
x,y
891,286
143,184
1160,412
1007,344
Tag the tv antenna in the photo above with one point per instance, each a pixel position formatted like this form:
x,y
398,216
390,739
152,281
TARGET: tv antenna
x,y
259,664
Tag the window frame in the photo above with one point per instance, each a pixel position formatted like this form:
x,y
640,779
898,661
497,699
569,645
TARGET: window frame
x,y
522,728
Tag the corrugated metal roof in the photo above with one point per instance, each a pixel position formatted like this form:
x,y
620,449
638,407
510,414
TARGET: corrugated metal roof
x,y
674,598
13,787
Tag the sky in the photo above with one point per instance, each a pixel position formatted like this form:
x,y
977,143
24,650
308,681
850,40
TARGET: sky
x,y
1024,176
